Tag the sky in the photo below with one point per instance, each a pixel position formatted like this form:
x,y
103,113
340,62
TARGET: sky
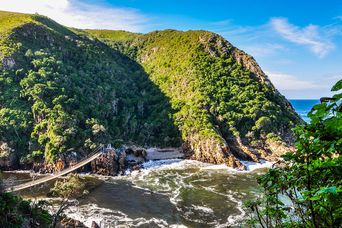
x,y
298,43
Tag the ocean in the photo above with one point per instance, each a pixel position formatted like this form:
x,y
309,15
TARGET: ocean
x,y
303,107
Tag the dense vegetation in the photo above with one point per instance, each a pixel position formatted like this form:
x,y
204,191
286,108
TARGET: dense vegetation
x,y
219,94
61,91
305,190
65,90
17,212
69,90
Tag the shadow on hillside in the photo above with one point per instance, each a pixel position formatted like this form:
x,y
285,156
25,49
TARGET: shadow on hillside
x,y
152,106
104,79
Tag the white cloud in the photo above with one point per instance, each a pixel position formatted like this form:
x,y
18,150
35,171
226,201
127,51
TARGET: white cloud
x,y
264,49
309,36
284,82
75,13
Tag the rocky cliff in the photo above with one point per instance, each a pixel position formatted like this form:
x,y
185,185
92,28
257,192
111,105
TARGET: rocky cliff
x,y
224,104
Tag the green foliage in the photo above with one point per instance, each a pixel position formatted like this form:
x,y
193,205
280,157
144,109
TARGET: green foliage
x,y
72,187
9,20
306,189
74,89
66,91
337,86
212,94
16,212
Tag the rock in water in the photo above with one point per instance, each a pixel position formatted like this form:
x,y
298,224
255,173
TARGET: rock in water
x,y
70,223
115,162
106,164
94,225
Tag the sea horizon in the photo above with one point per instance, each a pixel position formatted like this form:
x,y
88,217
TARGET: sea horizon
x,y
303,107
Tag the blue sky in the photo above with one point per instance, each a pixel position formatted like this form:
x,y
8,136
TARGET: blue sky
x,y
297,43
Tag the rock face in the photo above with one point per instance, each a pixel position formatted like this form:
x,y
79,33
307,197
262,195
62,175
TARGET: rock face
x,y
115,162
6,156
70,223
224,104
211,151
107,164
94,225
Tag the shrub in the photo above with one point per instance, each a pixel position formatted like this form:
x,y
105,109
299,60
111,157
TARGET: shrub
x,y
305,189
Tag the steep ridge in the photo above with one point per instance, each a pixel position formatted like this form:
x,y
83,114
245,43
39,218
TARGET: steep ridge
x,y
225,106
69,90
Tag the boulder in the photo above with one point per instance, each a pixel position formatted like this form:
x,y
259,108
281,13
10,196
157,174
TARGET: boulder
x,y
94,225
70,223
8,63
116,162
106,164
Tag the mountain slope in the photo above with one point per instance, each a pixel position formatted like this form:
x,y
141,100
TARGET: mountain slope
x,y
225,106
67,90
61,91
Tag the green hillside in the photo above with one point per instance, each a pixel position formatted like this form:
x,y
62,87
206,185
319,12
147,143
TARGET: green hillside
x,y
224,104
68,89
60,90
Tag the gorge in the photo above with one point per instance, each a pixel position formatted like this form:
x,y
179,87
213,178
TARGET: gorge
x,y
68,90
170,114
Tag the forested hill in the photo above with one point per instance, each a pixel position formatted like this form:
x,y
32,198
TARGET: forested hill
x,y
60,90
66,90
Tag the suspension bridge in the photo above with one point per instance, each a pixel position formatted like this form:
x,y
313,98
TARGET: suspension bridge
x,y
97,152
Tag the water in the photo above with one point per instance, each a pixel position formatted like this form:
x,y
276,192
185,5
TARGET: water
x,y
171,193
303,107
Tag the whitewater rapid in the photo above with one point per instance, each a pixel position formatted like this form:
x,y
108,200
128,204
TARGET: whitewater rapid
x,y
172,193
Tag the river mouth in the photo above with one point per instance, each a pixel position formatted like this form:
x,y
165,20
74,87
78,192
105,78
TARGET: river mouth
x,y
172,193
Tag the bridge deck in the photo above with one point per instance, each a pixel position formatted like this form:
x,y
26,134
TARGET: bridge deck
x,y
51,177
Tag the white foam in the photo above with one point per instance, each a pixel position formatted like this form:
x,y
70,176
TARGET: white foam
x,y
171,185
219,167
185,163
235,219
169,163
18,171
251,166
110,218
202,208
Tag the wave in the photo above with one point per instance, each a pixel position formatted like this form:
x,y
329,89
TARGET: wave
x,y
185,163
106,218
251,166
177,180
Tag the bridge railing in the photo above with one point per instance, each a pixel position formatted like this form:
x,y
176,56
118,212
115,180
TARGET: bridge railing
x,y
86,160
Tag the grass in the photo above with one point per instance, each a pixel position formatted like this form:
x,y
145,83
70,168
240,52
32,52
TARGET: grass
x,y
119,35
10,20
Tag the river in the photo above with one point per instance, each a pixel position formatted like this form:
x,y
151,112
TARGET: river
x,y
169,193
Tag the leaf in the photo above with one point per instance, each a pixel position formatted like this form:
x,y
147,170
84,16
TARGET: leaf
x,y
337,86
338,96
328,190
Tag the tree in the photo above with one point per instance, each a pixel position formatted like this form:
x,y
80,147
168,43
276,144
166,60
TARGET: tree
x,y
304,190
17,212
